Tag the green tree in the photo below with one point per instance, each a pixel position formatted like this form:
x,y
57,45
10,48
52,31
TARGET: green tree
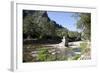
x,y
84,23
28,26
74,36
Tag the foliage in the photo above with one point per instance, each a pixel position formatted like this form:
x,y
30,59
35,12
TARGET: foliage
x,y
74,36
37,25
84,23
83,45
43,54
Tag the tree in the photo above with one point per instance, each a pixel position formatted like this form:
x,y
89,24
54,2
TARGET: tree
x,y
28,26
74,36
84,23
37,24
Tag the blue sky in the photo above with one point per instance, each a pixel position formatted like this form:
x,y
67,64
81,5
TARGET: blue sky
x,y
64,18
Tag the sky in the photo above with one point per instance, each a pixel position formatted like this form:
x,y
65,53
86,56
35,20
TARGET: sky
x,y
64,18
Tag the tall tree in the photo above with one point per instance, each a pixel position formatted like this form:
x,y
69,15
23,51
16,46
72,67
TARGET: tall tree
x,y
84,23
